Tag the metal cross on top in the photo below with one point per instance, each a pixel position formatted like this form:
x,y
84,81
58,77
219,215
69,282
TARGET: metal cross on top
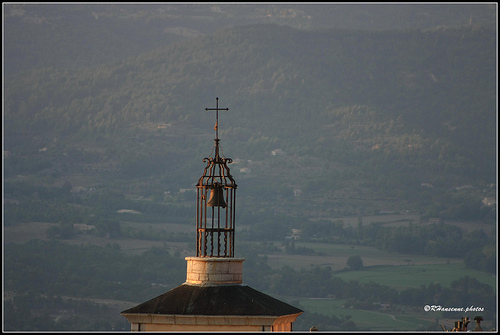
x,y
216,109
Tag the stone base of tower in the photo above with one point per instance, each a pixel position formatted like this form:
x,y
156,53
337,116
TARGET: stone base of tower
x,y
214,271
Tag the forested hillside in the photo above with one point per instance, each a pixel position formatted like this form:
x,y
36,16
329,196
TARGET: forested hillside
x,y
80,35
352,110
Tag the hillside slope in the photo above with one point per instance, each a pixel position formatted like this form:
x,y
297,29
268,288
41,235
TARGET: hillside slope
x,y
71,36
355,112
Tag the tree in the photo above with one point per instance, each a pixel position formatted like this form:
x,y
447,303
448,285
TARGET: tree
x,y
354,263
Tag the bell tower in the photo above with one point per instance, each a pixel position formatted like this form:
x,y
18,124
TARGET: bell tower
x,y
213,298
215,207
215,263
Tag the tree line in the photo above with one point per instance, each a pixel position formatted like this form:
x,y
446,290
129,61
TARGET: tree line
x,y
108,273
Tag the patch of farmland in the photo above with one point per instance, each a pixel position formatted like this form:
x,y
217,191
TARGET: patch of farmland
x,y
24,232
373,320
401,277
336,256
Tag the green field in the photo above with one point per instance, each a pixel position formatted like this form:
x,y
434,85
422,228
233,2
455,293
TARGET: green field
x,y
336,256
365,320
401,277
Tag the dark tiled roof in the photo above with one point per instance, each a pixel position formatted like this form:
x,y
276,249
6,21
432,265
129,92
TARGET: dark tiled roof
x,y
214,300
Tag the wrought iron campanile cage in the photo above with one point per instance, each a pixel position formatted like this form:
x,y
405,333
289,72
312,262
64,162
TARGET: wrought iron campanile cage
x,y
215,204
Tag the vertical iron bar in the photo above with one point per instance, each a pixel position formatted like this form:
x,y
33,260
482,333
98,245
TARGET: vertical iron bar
x,y
212,234
205,224
234,222
228,210
197,221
